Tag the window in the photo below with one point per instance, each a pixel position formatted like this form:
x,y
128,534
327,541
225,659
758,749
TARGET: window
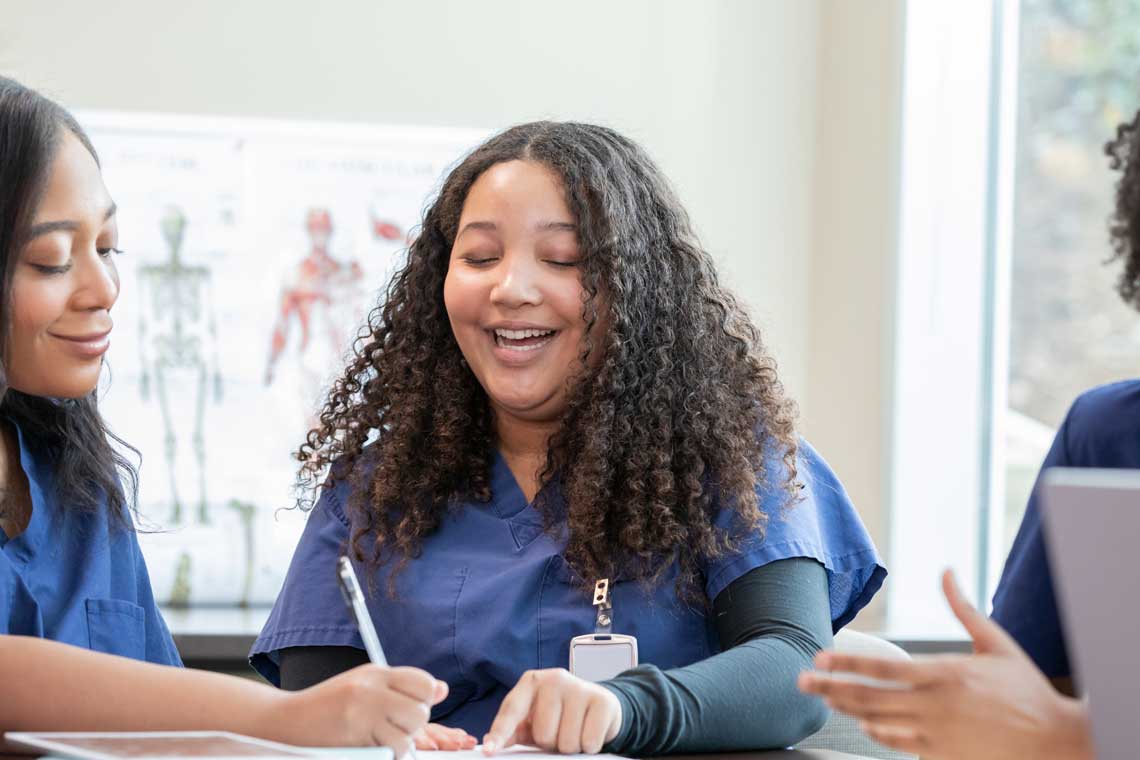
x,y
1006,309
1077,79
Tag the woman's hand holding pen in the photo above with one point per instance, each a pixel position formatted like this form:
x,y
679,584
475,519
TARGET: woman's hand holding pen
x,y
368,705
555,711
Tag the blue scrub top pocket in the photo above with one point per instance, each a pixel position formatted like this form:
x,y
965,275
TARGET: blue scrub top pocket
x,y
117,626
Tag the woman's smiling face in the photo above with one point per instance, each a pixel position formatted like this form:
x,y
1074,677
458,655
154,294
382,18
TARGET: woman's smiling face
x,y
64,282
513,292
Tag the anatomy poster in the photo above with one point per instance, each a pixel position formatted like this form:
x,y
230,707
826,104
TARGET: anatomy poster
x,y
253,252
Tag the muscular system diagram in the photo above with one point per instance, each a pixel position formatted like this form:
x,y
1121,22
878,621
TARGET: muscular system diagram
x,y
320,296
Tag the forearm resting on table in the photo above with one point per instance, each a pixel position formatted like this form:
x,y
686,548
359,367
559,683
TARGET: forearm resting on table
x,y
50,686
771,623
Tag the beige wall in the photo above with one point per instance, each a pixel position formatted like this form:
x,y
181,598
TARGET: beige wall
x,y
721,93
851,282
776,120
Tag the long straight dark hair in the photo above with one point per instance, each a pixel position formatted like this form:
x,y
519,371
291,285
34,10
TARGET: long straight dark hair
x,y
90,473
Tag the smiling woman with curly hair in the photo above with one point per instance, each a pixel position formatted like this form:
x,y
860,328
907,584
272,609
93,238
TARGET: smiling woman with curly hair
x,y
557,389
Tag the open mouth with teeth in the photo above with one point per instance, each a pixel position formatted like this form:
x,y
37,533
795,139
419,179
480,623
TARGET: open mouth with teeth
x,y
522,340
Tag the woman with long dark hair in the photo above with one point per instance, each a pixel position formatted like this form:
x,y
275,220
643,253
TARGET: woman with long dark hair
x,y
73,585
558,394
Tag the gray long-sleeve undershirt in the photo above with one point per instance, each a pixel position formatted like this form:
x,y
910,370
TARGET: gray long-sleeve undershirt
x,y
771,622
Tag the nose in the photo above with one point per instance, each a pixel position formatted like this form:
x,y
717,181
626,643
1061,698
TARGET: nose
x,y
518,281
98,286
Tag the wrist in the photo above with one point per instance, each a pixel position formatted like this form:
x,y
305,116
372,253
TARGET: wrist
x,y
616,721
268,716
1071,737
617,730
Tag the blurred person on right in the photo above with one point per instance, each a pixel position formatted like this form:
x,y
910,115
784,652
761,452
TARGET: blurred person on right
x,y
1013,697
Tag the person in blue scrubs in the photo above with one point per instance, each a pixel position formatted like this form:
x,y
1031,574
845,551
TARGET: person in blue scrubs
x,y
82,643
1019,690
557,390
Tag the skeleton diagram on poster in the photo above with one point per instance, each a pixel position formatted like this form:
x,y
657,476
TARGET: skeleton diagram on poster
x,y
254,251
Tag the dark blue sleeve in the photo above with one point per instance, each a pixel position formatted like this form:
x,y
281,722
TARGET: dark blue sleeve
x,y
1101,429
822,525
310,610
1024,603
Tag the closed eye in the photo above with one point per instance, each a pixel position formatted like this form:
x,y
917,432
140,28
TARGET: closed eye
x,y
479,260
105,252
562,264
47,269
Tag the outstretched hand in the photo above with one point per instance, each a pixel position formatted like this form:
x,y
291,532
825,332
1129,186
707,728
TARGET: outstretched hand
x,y
994,703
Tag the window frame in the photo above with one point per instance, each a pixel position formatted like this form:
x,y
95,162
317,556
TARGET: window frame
x,y
951,335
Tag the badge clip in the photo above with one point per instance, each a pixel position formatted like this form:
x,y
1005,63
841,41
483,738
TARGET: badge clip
x,y
602,654
604,619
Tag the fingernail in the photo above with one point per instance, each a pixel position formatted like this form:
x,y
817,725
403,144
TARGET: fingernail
x,y
489,745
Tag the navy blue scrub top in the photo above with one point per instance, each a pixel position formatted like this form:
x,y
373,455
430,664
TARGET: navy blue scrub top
x,y
1101,429
77,578
491,596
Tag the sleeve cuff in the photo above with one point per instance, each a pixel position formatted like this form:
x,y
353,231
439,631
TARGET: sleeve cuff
x,y
617,745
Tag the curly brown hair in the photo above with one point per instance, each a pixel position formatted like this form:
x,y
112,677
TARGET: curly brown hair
x,y
1123,152
683,410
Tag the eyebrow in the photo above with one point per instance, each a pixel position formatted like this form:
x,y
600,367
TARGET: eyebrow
x,y
559,226
65,225
487,226
544,227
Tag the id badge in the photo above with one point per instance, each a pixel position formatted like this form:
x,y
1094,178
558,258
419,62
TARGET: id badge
x,y
600,656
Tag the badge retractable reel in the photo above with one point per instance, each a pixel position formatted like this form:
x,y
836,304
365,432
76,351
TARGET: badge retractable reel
x,y
602,654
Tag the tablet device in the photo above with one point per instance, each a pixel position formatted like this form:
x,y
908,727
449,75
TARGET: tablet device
x,y
137,744
1092,525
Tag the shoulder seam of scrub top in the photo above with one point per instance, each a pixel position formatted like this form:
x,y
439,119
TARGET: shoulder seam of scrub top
x,y
335,504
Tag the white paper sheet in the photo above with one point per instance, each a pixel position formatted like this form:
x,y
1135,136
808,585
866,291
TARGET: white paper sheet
x,y
523,753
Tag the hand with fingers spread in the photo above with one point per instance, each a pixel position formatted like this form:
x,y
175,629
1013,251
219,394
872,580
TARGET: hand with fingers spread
x,y
368,705
435,736
994,703
555,711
